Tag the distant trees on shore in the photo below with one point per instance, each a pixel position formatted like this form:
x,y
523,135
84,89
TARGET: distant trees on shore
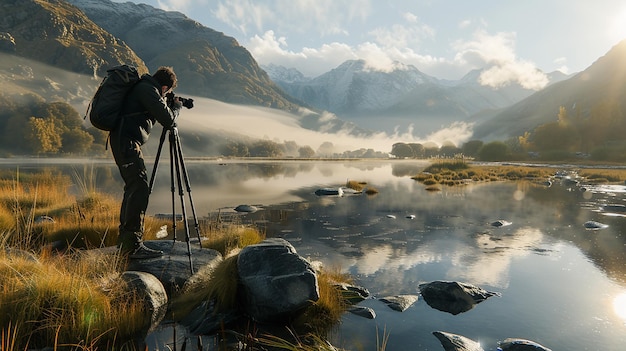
x,y
31,126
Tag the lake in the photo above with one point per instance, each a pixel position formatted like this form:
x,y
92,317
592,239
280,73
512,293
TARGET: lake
x,y
562,285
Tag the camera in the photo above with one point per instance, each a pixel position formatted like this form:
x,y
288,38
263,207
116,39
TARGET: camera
x,y
170,97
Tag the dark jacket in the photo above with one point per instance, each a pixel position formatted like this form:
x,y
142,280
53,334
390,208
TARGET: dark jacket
x,y
144,106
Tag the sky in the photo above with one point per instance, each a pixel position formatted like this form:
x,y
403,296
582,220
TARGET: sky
x,y
442,38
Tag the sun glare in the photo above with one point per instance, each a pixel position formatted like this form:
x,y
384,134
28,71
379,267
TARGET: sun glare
x,y
617,29
619,306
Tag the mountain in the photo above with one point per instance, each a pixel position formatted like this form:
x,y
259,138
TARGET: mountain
x,y
207,63
283,74
403,96
59,34
601,84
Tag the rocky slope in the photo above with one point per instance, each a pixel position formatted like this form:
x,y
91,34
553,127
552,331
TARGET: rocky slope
x,y
59,34
208,63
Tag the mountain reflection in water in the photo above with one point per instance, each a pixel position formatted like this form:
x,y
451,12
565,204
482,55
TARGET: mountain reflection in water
x,y
561,284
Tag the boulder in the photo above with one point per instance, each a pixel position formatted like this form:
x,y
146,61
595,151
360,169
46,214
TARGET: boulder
x,y
399,302
276,282
151,292
513,344
453,297
454,342
173,268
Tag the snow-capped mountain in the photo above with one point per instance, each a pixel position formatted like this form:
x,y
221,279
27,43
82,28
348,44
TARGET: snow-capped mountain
x,y
403,96
353,87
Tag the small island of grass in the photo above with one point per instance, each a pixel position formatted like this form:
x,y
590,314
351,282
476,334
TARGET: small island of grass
x,y
460,172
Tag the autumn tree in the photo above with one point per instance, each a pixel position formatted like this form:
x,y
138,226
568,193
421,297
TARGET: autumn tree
x,y
42,135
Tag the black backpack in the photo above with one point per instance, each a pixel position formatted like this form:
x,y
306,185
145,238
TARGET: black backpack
x,y
105,108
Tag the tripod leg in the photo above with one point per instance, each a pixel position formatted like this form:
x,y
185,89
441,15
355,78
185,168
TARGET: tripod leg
x,y
172,184
181,191
156,159
188,185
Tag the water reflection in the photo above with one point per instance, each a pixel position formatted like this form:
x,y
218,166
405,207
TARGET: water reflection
x,y
562,285
619,306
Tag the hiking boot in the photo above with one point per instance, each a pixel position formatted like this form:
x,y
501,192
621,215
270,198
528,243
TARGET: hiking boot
x,y
143,252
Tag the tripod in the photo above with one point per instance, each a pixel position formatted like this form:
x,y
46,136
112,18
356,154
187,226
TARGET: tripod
x,y
178,174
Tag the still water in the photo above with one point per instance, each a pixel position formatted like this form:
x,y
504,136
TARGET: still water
x,y
562,285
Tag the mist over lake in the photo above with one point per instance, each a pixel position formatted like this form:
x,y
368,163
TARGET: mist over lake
x,y
562,284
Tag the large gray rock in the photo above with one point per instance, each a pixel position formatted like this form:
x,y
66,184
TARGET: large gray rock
x,y
453,297
276,281
513,344
454,342
151,292
173,268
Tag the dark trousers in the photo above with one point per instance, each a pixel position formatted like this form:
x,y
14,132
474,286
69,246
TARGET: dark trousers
x,y
129,159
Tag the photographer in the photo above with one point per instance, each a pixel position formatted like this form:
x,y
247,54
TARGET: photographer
x,y
145,105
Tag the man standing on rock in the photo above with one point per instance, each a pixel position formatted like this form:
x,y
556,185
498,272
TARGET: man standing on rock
x,y
145,105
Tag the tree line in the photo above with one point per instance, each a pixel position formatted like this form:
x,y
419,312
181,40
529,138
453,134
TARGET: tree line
x,y
31,126
597,133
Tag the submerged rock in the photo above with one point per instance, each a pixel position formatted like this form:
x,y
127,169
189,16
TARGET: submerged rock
x,y
454,342
512,344
453,297
246,208
501,223
399,302
329,191
614,208
593,225
362,311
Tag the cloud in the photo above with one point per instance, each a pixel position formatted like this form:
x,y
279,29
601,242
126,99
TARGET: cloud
x,y
242,14
382,47
497,52
562,63
322,17
309,61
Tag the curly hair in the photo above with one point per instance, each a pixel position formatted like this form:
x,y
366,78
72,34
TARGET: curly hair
x,y
166,76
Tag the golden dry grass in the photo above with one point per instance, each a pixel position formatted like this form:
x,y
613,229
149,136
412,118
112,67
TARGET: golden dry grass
x,y
61,300
77,299
457,173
